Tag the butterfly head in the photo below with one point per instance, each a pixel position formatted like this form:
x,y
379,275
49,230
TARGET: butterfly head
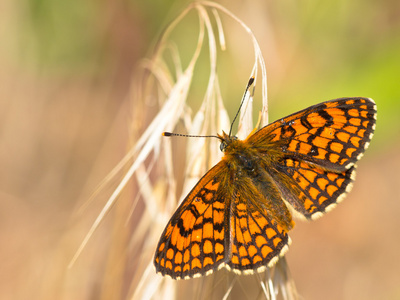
x,y
226,140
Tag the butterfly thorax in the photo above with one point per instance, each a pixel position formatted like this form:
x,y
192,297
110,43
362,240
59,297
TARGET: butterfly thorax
x,y
242,157
247,155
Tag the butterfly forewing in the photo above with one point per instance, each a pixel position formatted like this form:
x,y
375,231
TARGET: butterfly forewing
x,y
332,134
193,243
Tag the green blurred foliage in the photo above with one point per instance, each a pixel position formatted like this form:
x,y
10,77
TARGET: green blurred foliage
x,y
59,34
344,49
326,49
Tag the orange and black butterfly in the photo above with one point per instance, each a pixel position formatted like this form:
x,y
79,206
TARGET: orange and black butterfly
x,y
238,215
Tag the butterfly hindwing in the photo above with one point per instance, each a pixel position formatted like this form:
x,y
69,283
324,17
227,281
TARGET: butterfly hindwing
x,y
258,238
311,190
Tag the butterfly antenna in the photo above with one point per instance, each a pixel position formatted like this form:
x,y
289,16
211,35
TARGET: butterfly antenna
x,y
251,80
188,135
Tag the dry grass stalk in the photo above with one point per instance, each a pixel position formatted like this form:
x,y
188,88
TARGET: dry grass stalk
x,y
151,162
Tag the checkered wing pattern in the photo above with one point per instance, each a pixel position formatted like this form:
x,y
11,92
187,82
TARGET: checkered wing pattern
x,y
217,227
259,228
318,149
194,241
237,216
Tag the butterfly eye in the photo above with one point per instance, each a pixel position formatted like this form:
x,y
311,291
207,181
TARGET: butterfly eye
x,y
222,147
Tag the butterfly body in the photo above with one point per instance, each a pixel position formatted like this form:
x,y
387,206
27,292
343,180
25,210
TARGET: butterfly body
x,y
249,169
239,213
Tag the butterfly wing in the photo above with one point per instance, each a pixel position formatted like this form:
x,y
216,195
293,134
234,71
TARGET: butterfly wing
x,y
333,134
317,151
194,243
222,222
309,189
259,222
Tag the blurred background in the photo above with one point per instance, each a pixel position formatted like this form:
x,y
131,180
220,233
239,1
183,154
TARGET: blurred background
x,y
66,110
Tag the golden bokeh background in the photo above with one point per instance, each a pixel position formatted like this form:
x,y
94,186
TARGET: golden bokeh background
x,y
66,110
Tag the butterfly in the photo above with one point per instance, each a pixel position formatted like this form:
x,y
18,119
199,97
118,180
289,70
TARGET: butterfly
x,y
239,213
